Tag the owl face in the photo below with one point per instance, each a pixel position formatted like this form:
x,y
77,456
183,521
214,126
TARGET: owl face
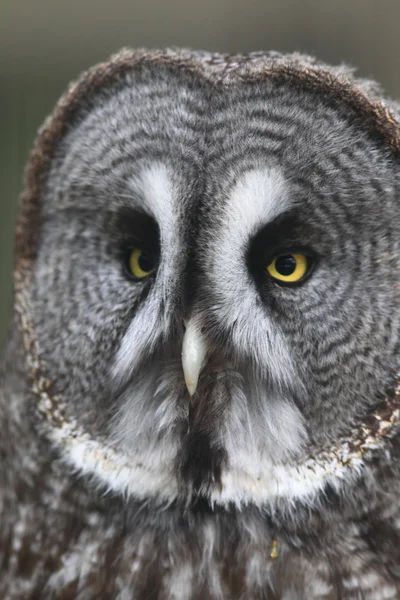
x,y
216,285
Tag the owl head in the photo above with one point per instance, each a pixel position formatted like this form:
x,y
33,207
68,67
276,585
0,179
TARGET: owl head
x,y
208,276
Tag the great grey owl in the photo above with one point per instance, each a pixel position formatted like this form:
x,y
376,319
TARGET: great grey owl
x,y
200,395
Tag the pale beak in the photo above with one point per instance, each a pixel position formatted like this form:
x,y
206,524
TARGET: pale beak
x,y
193,355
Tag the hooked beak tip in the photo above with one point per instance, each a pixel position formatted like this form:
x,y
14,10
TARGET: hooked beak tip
x,y
193,354
191,387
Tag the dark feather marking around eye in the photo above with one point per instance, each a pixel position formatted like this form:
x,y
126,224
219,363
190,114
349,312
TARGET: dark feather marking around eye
x,y
134,226
129,229
285,234
282,233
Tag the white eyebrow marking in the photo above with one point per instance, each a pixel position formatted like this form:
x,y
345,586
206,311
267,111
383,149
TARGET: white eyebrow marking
x,y
155,186
257,199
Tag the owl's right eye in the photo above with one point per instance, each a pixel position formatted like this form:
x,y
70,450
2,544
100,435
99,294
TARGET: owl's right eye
x,y
141,263
137,238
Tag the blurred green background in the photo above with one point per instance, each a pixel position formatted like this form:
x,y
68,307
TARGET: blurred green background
x,y
44,45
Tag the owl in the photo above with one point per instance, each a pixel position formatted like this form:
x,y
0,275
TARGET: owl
x,y
200,393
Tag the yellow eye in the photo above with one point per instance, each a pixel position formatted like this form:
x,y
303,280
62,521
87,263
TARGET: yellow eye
x,y
288,268
141,263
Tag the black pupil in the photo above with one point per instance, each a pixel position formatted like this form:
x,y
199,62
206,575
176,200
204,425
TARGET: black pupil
x,y
146,261
285,265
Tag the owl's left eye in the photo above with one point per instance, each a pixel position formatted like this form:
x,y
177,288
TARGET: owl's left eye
x,y
289,268
141,263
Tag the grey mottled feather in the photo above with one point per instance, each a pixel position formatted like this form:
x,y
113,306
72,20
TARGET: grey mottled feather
x,y
92,381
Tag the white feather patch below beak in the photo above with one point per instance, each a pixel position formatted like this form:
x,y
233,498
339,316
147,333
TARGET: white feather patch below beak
x,y
193,355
